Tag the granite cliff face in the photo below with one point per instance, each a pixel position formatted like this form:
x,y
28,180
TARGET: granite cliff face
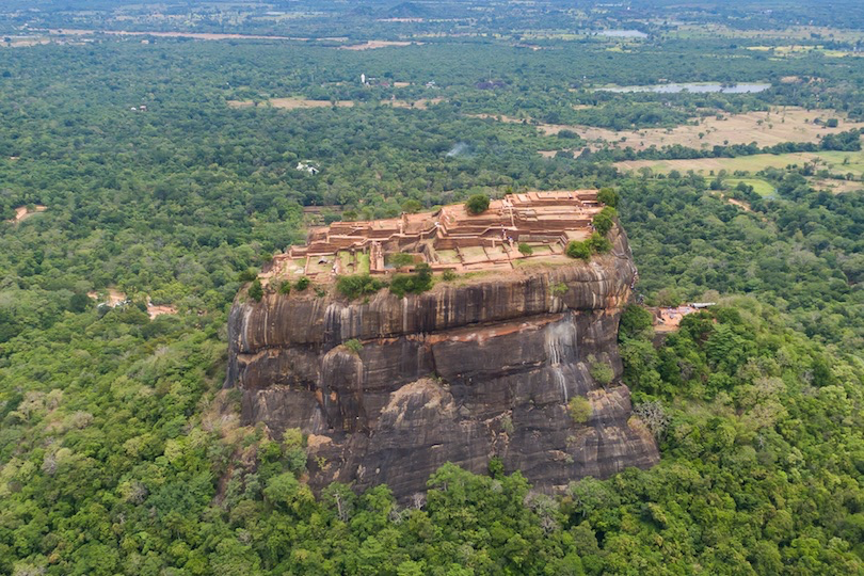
x,y
475,368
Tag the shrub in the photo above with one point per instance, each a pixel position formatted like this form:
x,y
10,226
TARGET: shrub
x,y
293,437
600,371
247,275
79,302
256,291
559,289
412,283
449,275
525,249
477,204
285,287
353,345
580,409
576,249
400,259
634,321
608,196
302,284
604,220
412,206
599,244
357,285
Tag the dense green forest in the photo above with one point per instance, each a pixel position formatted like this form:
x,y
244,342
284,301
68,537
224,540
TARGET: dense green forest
x,y
120,453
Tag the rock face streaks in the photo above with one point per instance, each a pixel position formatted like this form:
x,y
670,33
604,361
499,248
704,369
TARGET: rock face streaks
x,y
475,368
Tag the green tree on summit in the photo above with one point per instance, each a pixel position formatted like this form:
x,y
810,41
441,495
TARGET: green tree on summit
x,y
477,204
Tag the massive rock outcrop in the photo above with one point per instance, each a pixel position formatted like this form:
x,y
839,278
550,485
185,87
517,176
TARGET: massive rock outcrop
x,y
478,367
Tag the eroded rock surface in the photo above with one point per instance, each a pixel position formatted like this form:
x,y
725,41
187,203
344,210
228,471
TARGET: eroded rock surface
x,y
475,368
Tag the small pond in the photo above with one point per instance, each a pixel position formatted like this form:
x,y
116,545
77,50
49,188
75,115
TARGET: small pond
x,y
619,33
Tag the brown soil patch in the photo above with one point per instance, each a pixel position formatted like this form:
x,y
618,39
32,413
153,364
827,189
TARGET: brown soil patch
x,y
115,297
669,319
21,213
25,42
743,205
291,103
373,44
416,104
835,186
153,311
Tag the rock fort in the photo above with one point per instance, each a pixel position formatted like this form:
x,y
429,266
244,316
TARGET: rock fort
x,y
486,364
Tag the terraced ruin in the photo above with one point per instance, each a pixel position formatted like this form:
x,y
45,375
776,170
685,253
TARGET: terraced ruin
x,y
449,238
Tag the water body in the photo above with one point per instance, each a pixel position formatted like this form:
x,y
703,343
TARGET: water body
x,y
620,33
693,88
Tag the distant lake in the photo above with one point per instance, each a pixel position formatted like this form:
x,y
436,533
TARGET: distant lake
x,y
620,33
694,88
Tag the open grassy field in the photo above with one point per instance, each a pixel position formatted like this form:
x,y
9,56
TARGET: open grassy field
x,y
764,128
790,124
793,33
836,162
798,49
760,186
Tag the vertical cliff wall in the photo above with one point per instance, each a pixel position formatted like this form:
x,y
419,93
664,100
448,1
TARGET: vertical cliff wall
x,y
478,367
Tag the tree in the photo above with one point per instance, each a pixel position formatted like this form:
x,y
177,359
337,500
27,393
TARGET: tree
x,y
580,409
577,249
79,302
416,283
598,243
477,204
600,371
525,249
608,196
635,320
401,259
604,220
256,291
358,285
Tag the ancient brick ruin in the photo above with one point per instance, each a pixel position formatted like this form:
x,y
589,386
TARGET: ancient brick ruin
x,y
447,239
